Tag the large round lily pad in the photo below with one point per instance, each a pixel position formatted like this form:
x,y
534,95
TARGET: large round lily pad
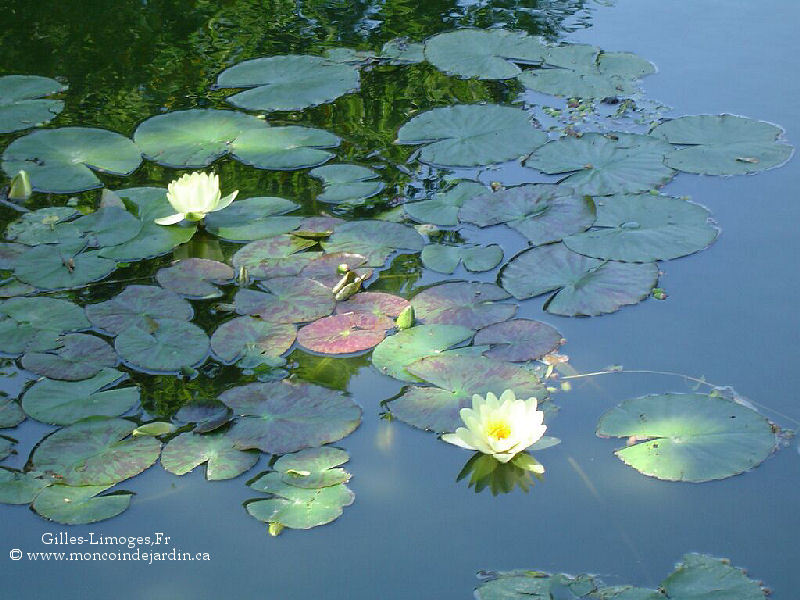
x,y
543,213
601,165
375,240
519,340
253,219
22,101
162,345
288,82
49,225
689,437
470,135
61,161
460,303
586,286
34,324
137,306
195,278
723,144
274,257
79,505
701,577
379,304
644,228
244,336
445,259
297,507
344,333
313,468
96,452
62,267
290,300
77,356
443,208
284,148
283,417
189,450
108,226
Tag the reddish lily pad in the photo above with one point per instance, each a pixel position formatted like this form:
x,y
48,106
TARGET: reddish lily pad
x,y
195,278
290,300
189,450
77,356
374,239
344,333
379,304
519,340
244,335
316,227
137,306
461,303
274,257
35,324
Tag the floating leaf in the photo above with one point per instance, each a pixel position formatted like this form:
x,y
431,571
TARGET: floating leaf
x,y
77,356
195,278
543,213
283,417
586,286
346,183
95,452
379,304
701,577
6,447
530,585
471,135
645,228
79,505
189,450
287,82
62,267
445,259
519,340
443,208
60,161
108,226
137,306
461,303
207,414
253,219
17,487
376,240
274,256
245,335
397,351
22,102
344,333
689,437
602,165
284,148
11,414
48,225
400,51
162,346
349,56
485,54
325,268
313,468
10,252
290,300
723,144
34,324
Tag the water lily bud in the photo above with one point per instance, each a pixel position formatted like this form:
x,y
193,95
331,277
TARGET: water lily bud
x,y
405,319
275,528
20,188
155,428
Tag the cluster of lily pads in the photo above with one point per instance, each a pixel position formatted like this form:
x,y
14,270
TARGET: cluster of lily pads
x,y
301,281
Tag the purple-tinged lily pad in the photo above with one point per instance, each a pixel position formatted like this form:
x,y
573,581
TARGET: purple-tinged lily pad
x,y
137,306
290,300
274,257
374,239
345,333
162,346
245,335
324,268
519,340
461,303
189,450
317,227
379,304
195,278
206,414
35,324
77,356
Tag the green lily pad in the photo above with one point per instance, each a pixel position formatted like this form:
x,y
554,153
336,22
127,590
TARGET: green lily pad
x,y
586,286
6,447
189,450
17,487
22,102
137,306
535,585
206,414
65,402
48,225
284,148
375,240
11,288
35,324
689,437
283,417
253,219
324,268
519,340
313,468
471,135
443,208
162,346
108,226
195,278
485,54
62,267
454,379
400,51
349,56
11,414
79,505
460,303
645,228
10,252
723,144
95,452
379,304
702,577
348,184
288,82
245,335
290,300
344,333
543,213
77,356
396,352
602,165
445,259
274,257
60,161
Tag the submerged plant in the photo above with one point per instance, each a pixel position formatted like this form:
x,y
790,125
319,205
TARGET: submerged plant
x,y
193,196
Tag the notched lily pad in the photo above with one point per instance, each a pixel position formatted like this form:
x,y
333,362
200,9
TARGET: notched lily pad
x,y
49,225
79,505
11,414
519,340
62,267
162,345
253,219
77,356
137,306
245,336
190,450
313,468
18,487
699,576
445,259
460,303
274,257
23,103
443,208
195,278
35,324
375,240
289,300
344,333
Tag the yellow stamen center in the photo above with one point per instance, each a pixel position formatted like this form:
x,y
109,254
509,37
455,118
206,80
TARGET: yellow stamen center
x,y
498,430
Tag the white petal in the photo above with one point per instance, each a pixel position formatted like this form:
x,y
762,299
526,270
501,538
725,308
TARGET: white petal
x,y
170,220
226,201
456,439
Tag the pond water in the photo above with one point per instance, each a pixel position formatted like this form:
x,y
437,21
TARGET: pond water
x,y
414,530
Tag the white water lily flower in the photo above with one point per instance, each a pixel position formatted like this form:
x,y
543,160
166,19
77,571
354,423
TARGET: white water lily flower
x,y
502,428
193,196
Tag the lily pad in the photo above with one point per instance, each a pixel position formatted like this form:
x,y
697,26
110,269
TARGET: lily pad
x,y
10,252
472,305
376,240
79,505
206,414
60,161
454,380
645,228
379,304
443,208
313,468
189,450
324,268
62,267
23,103
701,577
396,352
586,286
471,135
484,54
137,306
288,82
6,447
535,585
283,417
108,226
543,213
445,259
95,452
195,278
284,148
253,219
290,300
689,437
17,487
519,340
65,402
602,165
162,346
49,225
346,183
34,324
77,356
11,414
400,51
245,335
344,333
274,257
723,144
